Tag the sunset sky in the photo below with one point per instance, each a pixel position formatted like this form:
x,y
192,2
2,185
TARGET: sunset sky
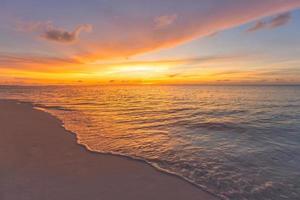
x,y
149,42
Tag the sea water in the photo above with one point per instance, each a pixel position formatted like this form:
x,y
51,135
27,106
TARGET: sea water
x,y
239,142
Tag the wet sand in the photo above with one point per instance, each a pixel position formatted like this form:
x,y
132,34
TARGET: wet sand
x,y
40,160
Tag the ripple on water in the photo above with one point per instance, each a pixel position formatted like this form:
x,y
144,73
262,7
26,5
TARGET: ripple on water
x,y
240,142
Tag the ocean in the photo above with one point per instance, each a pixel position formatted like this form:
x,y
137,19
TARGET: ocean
x,y
238,142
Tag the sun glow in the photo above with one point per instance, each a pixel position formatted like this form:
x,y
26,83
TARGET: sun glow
x,y
138,70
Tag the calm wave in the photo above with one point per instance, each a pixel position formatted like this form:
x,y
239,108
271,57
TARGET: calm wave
x,y
240,142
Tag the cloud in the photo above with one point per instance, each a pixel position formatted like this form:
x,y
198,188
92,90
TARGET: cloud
x,y
190,61
165,20
63,36
48,31
147,30
29,58
213,34
138,36
224,80
277,21
33,61
280,20
257,26
173,75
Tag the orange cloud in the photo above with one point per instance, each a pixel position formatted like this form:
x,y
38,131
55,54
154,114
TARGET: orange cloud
x,y
140,36
130,34
125,37
35,62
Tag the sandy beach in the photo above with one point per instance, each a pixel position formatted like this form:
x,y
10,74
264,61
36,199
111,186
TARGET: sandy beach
x,y
40,160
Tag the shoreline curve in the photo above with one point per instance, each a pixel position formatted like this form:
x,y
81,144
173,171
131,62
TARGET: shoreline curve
x,y
161,172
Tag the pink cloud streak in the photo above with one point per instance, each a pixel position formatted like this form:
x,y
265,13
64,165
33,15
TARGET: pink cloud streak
x,y
141,37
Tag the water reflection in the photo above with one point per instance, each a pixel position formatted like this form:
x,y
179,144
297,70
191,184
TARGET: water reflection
x,y
237,141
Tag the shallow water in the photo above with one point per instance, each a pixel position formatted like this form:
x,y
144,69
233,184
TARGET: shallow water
x,y
240,142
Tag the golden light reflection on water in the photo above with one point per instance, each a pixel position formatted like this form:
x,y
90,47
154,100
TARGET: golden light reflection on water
x,y
211,135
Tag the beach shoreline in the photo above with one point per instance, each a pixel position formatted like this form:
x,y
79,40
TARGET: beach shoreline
x,y
44,161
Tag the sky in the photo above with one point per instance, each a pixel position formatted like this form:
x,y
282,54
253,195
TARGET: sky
x,y
149,42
